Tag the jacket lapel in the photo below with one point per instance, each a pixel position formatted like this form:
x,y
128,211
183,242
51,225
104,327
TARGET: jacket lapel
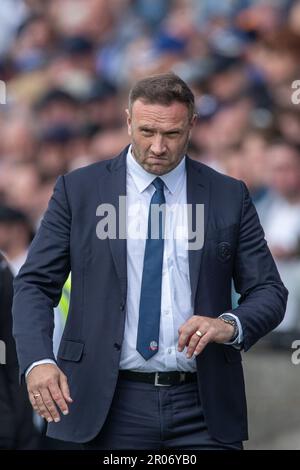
x,y
112,186
197,193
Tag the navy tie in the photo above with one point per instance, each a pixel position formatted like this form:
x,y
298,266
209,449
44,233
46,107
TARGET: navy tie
x,y
150,300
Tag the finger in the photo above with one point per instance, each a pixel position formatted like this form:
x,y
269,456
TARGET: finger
x,y
58,398
50,405
65,388
33,402
206,338
192,345
41,408
184,336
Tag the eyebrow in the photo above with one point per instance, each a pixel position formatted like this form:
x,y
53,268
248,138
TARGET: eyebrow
x,y
152,129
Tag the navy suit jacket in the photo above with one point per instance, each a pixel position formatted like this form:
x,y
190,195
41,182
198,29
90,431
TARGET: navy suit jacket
x,y
89,353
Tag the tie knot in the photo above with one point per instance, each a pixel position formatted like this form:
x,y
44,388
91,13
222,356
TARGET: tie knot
x,y
158,184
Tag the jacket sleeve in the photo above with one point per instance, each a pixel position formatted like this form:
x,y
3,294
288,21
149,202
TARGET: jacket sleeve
x,y
263,296
38,286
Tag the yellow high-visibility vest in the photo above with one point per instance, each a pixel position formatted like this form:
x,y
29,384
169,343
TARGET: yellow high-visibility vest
x,y
64,302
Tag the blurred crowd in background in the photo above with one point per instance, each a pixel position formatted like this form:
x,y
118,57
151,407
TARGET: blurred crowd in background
x,y
68,66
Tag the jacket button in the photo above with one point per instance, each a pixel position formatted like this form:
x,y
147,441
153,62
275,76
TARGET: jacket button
x,y
117,346
122,305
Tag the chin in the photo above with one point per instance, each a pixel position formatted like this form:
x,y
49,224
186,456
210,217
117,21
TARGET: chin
x,y
157,169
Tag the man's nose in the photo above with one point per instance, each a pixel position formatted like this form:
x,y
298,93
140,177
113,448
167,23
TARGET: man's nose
x,y
158,146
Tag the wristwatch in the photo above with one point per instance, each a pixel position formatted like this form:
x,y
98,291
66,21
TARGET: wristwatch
x,y
229,319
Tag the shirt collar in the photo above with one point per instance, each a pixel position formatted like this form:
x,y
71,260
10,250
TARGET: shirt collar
x,y
143,178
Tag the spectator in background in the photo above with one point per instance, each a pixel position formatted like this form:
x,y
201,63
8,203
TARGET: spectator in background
x,y
16,234
56,107
17,138
282,229
102,104
12,13
253,156
288,122
23,188
34,42
16,424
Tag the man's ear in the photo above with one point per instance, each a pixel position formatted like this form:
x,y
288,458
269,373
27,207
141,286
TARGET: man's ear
x,y
192,124
194,119
128,120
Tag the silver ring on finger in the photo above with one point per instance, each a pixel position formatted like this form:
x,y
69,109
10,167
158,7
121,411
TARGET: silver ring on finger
x,y
199,333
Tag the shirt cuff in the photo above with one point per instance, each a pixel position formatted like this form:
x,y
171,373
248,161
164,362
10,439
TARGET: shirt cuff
x,y
37,363
237,342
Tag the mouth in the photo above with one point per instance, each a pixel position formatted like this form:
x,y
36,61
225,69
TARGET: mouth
x,y
157,159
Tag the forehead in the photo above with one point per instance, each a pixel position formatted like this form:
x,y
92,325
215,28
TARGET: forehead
x,y
159,115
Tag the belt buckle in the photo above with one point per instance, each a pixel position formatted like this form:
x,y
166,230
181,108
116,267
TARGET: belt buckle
x,y
182,377
156,383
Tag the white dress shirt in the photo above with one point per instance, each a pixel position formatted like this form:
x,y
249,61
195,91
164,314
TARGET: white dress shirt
x,y
176,304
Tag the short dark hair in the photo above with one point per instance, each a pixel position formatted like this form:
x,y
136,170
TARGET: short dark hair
x,y
13,216
164,88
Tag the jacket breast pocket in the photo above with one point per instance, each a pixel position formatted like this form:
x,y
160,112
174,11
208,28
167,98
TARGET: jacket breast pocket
x,y
70,350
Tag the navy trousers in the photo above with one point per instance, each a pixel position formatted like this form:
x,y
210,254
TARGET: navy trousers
x,y
144,416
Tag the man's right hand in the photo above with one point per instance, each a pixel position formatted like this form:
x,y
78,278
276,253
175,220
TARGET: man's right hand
x,y
48,391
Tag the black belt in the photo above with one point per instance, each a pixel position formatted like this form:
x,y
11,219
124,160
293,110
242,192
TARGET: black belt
x,y
160,379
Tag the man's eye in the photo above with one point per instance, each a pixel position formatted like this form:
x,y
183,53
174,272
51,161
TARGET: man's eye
x,y
146,132
172,134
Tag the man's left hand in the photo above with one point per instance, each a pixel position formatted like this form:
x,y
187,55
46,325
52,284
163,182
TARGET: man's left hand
x,y
211,329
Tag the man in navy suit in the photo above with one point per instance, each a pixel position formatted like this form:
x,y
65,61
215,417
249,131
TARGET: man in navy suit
x,y
150,357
